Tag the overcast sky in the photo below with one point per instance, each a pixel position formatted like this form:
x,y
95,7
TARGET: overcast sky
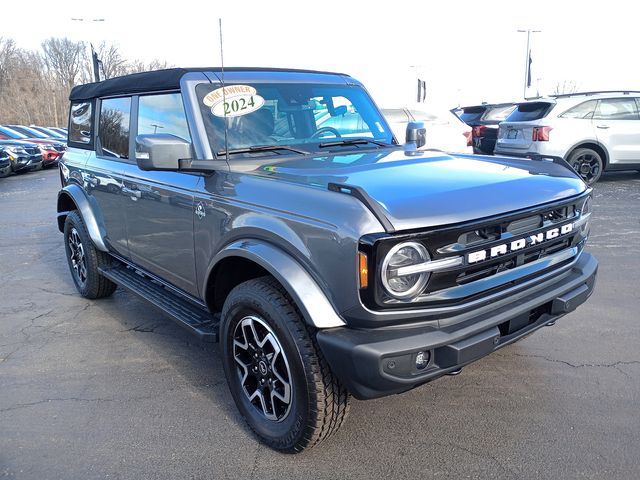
x,y
467,51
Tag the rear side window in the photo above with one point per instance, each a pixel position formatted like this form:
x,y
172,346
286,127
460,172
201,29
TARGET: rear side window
x,y
526,112
113,131
162,114
616,109
81,123
471,114
583,110
497,114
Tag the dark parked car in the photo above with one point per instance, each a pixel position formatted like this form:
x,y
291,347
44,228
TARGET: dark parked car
x,y
484,120
327,259
24,156
50,149
5,163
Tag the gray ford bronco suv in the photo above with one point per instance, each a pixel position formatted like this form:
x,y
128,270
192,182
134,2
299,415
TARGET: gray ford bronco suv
x,y
274,211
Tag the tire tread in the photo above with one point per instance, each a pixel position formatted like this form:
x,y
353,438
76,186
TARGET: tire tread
x,y
101,287
329,400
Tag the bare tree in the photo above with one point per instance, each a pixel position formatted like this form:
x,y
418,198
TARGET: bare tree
x,y
113,63
140,66
566,86
35,85
7,53
64,59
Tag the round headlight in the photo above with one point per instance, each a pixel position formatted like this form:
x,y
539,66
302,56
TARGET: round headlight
x,y
585,214
397,283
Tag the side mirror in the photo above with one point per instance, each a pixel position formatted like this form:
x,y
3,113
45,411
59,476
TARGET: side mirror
x,y
161,151
416,133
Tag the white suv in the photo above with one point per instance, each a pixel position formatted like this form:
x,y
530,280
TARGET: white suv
x,y
592,131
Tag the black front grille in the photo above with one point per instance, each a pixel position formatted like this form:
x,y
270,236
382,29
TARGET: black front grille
x,y
59,148
456,284
32,150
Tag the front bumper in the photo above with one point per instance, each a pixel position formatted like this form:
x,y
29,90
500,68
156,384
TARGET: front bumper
x,y
50,157
25,162
373,363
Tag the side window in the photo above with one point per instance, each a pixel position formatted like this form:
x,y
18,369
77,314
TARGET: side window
x,y
113,130
617,109
162,114
80,123
339,113
583,110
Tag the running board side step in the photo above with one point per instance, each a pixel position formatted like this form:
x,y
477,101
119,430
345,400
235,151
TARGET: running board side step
x,y
193,318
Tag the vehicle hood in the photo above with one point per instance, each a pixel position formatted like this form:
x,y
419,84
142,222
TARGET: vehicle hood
x,y
427,188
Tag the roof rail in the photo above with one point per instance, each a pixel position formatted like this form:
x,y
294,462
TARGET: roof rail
x,y
596,92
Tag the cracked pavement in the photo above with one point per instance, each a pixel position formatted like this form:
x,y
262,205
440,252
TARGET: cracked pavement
x,y
112,389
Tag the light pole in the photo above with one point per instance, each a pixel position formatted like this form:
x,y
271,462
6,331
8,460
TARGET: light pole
x,y
94,57
156,127
422,84
526,60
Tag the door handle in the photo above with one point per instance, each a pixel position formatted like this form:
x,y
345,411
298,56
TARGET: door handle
x,y
604,127
133,193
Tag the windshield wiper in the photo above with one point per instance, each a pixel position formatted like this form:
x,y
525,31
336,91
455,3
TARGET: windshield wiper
x,y
353,141
262,148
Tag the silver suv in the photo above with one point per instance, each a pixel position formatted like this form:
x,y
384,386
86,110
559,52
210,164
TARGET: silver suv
x,y
593,131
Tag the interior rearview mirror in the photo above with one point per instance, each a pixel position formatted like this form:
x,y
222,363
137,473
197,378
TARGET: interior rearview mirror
x,y
161,151
416,134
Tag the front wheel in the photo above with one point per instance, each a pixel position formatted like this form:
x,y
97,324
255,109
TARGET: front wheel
x,y
277,375
587,163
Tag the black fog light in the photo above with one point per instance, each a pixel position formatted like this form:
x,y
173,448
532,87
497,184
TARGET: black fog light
x,y
422,360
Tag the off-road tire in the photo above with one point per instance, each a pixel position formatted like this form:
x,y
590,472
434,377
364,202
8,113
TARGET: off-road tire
x,y
95,285
319,404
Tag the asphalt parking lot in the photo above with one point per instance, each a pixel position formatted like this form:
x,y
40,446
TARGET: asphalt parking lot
x,y
112,389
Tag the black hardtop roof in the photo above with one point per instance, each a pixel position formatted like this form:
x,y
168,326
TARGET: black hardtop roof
x,y
167,79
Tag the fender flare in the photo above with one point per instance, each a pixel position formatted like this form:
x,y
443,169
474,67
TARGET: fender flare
x,y
305,291
94,226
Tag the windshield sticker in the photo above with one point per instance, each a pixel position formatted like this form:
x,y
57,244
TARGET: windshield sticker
x,y
233,101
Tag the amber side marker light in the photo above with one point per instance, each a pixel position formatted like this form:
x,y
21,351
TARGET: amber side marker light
x,y
363,270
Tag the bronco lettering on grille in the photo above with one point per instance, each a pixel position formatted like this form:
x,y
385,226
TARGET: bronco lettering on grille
x,y
519,244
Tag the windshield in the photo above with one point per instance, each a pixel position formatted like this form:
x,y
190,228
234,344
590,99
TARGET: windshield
x,y
30,132
10,133
290,115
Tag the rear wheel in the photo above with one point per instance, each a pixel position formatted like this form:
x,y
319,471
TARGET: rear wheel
x,y
85,259
277,375
587,163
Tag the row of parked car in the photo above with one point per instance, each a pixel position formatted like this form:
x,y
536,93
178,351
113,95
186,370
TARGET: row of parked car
x,y
30,148
592,131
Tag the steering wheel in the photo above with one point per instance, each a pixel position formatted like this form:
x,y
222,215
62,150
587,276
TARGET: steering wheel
x,y
322,130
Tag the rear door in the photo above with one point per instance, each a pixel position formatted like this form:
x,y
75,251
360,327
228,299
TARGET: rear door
x,y
617,126
102,176
160,211
516,132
